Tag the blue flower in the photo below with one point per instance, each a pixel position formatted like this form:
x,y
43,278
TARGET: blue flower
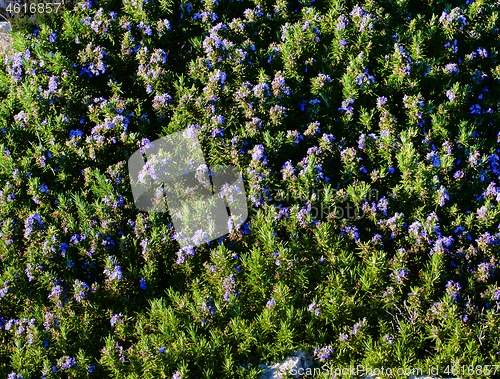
x,y
475,109
52,37
161,350
142,284
75,133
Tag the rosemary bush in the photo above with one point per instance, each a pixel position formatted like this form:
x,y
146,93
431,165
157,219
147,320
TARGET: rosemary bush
x,y
368,136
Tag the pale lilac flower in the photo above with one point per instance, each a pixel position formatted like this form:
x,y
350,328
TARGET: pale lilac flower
x,y
381,101
453,289
271,303
347,106
443,195
451,95
116,319
451,68
258,154
313,308
5,289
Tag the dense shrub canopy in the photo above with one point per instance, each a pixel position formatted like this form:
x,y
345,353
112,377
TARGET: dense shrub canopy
x,y
368,136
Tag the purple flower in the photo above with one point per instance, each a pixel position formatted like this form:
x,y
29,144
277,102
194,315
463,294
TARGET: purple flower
x,y
451,68
323,353
481,213
260,90
382,205
161,101
258,154
381,101
53,83
116,319
176,375
228,286
219,76
145,28
358,326
453,289
75,238
207,307
52,37
116,274
31,222
313,308
497,295
68,363
161,350
365,78
80,289
399,275
5,289
187,251
346,106
443,195
271,303
56,293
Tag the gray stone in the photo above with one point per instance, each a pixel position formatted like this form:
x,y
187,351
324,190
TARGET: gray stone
x,y
298,362
5,27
